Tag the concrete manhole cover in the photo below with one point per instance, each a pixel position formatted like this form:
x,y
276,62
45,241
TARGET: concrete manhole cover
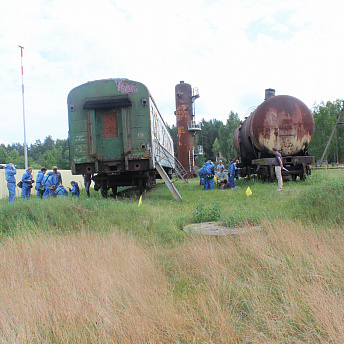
x,y
214,228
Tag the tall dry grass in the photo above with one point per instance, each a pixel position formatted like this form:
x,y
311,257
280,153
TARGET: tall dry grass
x,y
83,288
282,284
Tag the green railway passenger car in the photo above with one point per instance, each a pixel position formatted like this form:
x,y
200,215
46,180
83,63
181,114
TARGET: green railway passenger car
x,y
117,134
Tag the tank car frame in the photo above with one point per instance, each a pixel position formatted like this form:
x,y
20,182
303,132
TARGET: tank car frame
x,y
297,166
117,134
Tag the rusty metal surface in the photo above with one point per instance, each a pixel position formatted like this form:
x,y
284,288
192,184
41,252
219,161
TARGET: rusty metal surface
x,y
184,116
110,128
283,122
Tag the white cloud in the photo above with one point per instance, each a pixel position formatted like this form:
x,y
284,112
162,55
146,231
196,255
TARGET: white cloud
x,y
230,50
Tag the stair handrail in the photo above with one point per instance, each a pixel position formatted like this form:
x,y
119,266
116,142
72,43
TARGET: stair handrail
x,y
168,155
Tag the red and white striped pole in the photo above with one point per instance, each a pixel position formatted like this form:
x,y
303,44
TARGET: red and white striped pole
x,y
22,73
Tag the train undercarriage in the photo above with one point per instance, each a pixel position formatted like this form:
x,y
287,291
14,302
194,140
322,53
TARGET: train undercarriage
x,y
295,166
138,180
134,174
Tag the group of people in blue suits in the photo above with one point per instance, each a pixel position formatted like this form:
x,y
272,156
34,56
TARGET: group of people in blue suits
x,y
47,184
207,174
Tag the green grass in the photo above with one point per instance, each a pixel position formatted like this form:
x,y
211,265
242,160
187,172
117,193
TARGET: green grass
x,y
318,200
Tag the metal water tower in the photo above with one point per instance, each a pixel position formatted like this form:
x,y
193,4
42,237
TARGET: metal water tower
x,y
186,126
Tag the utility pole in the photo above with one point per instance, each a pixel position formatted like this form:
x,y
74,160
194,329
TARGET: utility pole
x,y
22,74
333,131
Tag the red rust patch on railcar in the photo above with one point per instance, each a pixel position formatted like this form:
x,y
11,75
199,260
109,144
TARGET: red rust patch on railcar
x,y
110,128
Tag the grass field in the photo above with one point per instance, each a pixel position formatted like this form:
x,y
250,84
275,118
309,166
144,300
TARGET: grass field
x,y
107,271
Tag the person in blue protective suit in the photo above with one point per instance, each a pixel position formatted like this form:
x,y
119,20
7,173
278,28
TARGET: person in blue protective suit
x,y
27,184
201,173
211,177
61,191
49,182
207,172
39,180
57,176
75,191
201,178
231,171
10,172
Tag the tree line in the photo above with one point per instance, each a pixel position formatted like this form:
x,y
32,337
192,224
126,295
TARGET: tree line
x,y
325,117
216,138
47,154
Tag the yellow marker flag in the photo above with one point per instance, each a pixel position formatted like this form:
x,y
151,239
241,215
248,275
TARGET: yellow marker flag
x,y
140,201
248,192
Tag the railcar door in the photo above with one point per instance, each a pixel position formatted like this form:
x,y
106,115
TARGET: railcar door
x,y
109,133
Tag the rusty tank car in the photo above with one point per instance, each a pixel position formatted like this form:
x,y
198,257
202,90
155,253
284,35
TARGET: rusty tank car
x,y
283,122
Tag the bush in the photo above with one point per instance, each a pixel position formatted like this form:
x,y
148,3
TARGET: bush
x,y
203,214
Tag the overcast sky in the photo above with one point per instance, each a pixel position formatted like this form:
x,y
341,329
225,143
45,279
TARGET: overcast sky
x,y
230,50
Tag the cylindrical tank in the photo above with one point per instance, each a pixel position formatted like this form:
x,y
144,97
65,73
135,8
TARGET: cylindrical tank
x,y
283,122
184,116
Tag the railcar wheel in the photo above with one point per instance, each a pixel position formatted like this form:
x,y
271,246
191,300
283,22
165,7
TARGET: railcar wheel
x,y
272,175
260,175
105,192
303,173
142,185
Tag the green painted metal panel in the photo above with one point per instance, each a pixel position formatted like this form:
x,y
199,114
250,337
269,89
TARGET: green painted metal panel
x,y
92,135
80,141
108,146
80,125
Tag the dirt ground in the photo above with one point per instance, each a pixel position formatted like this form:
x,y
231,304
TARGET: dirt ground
x,y
215,228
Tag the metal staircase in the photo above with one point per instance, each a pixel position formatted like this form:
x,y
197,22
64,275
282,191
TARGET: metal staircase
x,y
178,167
173,161
192,160
180,170
167,181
